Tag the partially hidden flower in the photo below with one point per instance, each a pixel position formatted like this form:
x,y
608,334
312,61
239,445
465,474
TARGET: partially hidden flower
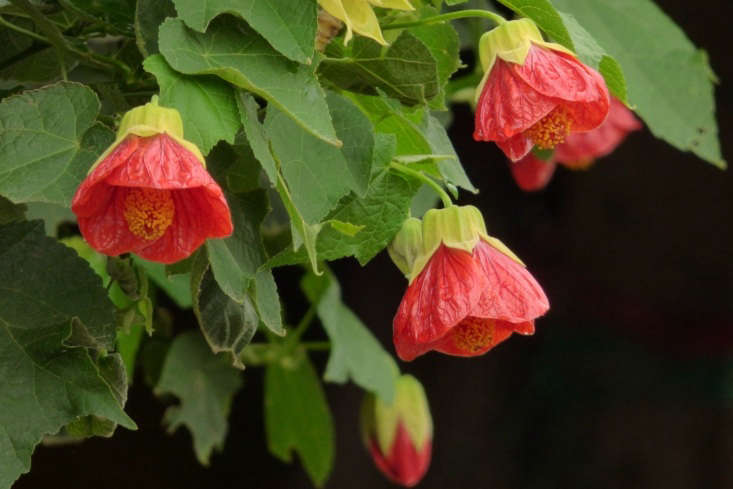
x,y
580,149
532,173
467,291
149,193
534,93
399,435
359,16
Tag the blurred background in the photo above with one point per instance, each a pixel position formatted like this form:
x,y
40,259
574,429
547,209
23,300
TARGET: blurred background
x,y
627,382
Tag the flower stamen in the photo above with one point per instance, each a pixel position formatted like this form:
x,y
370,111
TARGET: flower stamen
x,y
552,129
473,334
148,212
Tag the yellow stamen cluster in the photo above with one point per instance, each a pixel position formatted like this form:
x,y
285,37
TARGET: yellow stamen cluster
x,y
551,130
473,334
148,212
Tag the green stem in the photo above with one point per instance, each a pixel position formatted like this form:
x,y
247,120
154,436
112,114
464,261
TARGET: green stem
x,y
294,336
26,32
447,202
316,345
461,14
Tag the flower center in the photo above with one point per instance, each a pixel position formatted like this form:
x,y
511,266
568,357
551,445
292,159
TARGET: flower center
x,y
551,130
148,212
473,334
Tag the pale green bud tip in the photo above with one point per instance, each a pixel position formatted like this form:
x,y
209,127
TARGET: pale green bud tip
x,y
406,245
150,119
510,41
410,407
456,227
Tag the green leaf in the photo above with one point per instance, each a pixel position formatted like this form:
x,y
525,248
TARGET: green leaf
x,y
669,79
267,301
228,326
237,54
297,417
545,16
49,140
256,135
10,212
149,14
205,385
44,384
288,25
206,104
355,352
235,260
175,286
35,69
406,70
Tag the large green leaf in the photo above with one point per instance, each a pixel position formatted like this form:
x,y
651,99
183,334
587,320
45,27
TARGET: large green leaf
x,y
44,384
288,25
669,79
205,385
355,352
49,140
297,417
228,326
149,14
442,41
406,70
237,54
206,104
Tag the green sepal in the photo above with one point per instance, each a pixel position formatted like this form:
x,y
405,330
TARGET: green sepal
x,y
410,406
406,245
510,41
148,120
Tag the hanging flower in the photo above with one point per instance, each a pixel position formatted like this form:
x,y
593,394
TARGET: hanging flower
x,y
467,292
534,93
532,173
359,16
580,149
150,193
399,435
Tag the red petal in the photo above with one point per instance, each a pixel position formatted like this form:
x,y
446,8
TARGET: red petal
x,y
444,293
516,147
581,147
532,173
513,295
404,464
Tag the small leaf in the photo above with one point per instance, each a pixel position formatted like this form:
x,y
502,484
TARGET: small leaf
x,y
267,301
355,352
297,417
206,104
205,385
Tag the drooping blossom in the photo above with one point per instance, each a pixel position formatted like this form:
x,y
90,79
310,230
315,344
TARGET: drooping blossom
x,y
399,435
150,193
467,291
534,93
532,173
359,16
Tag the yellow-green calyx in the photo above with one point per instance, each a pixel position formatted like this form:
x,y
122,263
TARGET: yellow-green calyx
x,y
410,407
511,42
148,120
459,227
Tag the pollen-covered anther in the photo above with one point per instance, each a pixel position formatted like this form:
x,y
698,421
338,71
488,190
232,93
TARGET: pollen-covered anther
x,y
473,334
149,212
551,130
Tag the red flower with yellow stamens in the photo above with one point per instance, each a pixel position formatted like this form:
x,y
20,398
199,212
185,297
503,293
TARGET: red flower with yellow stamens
x,y
150,193
531,173
534,93
468,292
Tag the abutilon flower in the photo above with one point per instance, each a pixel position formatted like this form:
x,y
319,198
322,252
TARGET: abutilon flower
x,y
580,149
359,16
467,291
533,93
532,173
399,435
149,193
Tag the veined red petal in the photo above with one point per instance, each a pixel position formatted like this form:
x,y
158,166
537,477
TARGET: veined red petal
x,y
582,147
404,464
516,147
532,173
513,294
442,295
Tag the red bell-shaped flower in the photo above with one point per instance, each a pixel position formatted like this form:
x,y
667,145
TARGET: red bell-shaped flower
x,y
150,193
467,293
580,149
399,435
534,93
532,173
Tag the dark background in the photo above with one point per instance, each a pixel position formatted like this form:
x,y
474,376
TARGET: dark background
x,y
626,383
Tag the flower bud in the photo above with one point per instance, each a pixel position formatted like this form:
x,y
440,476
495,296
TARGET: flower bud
x,y
399,435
